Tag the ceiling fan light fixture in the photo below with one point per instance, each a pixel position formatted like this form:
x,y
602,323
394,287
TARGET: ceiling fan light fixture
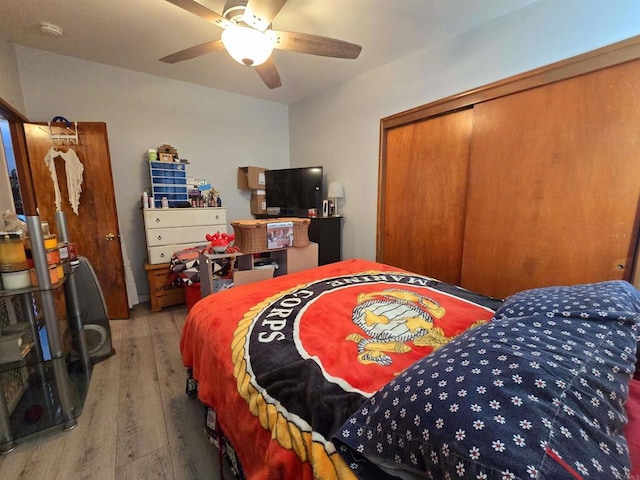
x,y
247,46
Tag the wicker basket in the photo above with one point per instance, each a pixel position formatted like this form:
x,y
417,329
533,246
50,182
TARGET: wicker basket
x,y
300,231
251,235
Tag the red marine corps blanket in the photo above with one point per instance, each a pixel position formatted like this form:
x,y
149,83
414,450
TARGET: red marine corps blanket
x,y
284,362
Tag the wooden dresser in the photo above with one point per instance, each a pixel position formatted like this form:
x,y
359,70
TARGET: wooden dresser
x,y
169,230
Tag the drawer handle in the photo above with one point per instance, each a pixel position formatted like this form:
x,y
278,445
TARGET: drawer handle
x,y
217,217
159,237
162,255
157,220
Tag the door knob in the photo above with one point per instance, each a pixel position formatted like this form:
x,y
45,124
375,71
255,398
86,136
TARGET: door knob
x,y
110,236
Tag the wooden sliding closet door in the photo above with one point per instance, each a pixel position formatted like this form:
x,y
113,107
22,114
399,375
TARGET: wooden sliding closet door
x,y
423,190
554,184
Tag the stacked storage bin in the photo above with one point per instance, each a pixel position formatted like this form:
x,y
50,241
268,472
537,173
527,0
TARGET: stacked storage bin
x,y
169,180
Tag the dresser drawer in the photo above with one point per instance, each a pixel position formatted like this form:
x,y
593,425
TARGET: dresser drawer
x,y
163,253
165,236
160,294
184,217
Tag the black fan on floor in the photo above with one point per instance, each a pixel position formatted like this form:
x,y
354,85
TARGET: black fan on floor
x,y
93,313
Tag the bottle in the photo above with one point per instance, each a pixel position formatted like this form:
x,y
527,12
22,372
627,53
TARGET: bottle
x,y
165,202
145,200
151,203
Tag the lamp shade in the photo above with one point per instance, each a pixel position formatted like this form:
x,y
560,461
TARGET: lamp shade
x,y
247,46
336,190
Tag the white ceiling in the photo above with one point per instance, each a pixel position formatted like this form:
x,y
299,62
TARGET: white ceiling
x,y
134,34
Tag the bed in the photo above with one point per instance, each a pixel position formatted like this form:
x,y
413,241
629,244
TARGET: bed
x,y
362,370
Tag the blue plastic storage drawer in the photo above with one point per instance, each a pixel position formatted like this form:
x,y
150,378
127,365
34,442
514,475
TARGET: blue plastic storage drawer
x,y
168,166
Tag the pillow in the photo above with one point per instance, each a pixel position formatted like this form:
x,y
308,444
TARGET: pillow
x,y
537,395
615,295
612,296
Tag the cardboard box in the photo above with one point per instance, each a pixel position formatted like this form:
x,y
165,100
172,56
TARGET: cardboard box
x,y
299,258
242,277
258,204
251,178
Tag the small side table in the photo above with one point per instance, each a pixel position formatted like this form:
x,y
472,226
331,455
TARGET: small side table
x,y
160,294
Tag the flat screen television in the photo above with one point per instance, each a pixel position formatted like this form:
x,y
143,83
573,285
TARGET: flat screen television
x,y
294,190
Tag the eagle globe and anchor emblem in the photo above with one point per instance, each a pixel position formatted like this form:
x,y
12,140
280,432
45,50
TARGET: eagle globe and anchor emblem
x,y
392,318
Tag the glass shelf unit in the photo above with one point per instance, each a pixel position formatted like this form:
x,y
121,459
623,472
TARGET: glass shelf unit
x,y
44,366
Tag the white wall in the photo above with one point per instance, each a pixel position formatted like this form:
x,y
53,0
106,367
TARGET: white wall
x,y
216,131
10,90
339,128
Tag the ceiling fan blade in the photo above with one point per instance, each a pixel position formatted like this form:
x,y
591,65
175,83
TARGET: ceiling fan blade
x,y
260,13
193,52
269,74
316,45
201,11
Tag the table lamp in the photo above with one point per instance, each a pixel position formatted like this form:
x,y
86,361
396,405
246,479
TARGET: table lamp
x,y
336,191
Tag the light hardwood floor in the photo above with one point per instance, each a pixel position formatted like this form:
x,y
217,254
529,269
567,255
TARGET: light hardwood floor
x,y
137,421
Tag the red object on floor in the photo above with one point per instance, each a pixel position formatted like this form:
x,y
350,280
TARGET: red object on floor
x,y
632,430
192,295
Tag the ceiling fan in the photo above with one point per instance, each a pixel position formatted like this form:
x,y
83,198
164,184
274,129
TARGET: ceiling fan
x,y
248,38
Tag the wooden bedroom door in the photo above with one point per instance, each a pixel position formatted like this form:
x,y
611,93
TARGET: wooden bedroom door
x,y
95,228
423,184
554,184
